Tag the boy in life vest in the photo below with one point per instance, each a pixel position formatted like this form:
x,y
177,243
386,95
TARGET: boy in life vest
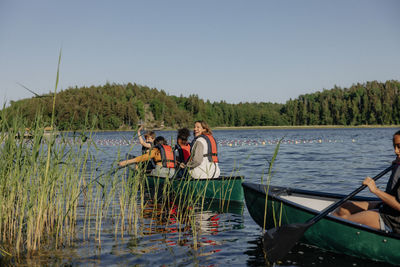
x,y
147,142
182,150
161,154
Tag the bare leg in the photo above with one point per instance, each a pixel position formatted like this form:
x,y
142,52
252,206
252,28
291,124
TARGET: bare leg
x,y
352,207
368,217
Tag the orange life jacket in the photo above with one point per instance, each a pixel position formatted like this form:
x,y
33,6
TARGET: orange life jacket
x,y
167,156
212,147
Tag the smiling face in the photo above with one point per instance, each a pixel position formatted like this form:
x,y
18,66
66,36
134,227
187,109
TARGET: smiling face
x,y
198,129
396,145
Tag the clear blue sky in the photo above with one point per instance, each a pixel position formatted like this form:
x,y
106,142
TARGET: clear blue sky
x,y
230,50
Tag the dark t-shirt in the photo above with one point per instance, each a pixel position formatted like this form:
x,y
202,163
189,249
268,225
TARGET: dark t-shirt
x,y
145,149
390,216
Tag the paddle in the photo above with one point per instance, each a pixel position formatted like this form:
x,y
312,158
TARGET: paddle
x,y
279,241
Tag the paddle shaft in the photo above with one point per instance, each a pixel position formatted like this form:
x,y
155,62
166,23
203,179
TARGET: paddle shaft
x,y
340,202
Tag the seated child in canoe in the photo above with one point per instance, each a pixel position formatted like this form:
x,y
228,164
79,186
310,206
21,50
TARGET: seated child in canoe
x,y
147,142
161,154
384,214
182,148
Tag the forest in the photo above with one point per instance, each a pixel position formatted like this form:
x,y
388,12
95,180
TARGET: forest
x,y
124,106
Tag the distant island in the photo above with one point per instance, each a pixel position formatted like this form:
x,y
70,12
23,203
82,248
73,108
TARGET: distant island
x,y
124,106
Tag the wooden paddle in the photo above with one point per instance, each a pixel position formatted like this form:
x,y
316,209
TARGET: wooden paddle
x,y
279,241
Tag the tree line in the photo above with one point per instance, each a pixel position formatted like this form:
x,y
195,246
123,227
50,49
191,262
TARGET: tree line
x,y
123,106
372,103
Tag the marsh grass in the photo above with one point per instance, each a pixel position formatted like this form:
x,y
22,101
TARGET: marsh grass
x,y
36,185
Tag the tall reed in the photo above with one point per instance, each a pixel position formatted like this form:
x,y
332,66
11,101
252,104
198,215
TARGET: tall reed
x,y
41,180
268,182
38,178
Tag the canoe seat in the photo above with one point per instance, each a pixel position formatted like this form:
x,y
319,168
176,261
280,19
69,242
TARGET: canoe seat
x,y
312,203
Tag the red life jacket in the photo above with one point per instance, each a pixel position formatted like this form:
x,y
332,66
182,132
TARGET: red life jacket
x,y
212,148
183,152
167,156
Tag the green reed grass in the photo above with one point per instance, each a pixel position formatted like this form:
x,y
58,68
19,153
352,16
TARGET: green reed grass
x,y
37,179
43,180
268,182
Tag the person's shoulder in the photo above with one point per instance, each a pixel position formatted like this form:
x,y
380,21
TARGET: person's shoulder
x,y
201,140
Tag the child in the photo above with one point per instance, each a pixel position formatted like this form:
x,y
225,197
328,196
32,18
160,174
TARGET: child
x,y
182,148
384,214
146,143
182,151
161,154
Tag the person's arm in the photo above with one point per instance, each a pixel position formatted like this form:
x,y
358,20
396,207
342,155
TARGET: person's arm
x,y
142,158
196,158
385,197
141,140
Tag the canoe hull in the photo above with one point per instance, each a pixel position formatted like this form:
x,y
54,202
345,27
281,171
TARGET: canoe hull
x,y
330,233
222,188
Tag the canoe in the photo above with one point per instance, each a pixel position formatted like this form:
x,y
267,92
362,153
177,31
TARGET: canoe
x,y
288,205
223,188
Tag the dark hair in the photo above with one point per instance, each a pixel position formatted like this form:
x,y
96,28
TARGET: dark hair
x,y
183,134
160,141
207,129
396,133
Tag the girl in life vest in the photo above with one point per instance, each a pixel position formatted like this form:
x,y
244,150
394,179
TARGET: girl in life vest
x,y
203,161
161,154
182,148
182,151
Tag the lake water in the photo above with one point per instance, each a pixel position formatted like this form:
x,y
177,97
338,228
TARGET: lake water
x,y
330,160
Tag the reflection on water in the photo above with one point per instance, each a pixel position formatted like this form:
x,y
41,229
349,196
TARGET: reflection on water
x,y
327,160
305,255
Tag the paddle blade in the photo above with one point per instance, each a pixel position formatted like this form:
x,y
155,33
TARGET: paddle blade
x,y
280,240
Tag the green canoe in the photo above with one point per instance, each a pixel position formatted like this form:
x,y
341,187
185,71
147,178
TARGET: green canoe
x,y
287,205
222,188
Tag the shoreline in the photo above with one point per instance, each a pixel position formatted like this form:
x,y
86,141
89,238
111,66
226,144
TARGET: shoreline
x,y
288,127
283,127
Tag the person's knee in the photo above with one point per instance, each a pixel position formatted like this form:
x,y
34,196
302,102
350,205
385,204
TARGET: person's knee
x,y
342,212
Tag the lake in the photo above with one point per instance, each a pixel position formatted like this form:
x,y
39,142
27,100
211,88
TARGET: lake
x,y
330,160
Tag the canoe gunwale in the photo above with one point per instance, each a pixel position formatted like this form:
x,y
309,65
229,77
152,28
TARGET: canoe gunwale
x,y
194,179
275,193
